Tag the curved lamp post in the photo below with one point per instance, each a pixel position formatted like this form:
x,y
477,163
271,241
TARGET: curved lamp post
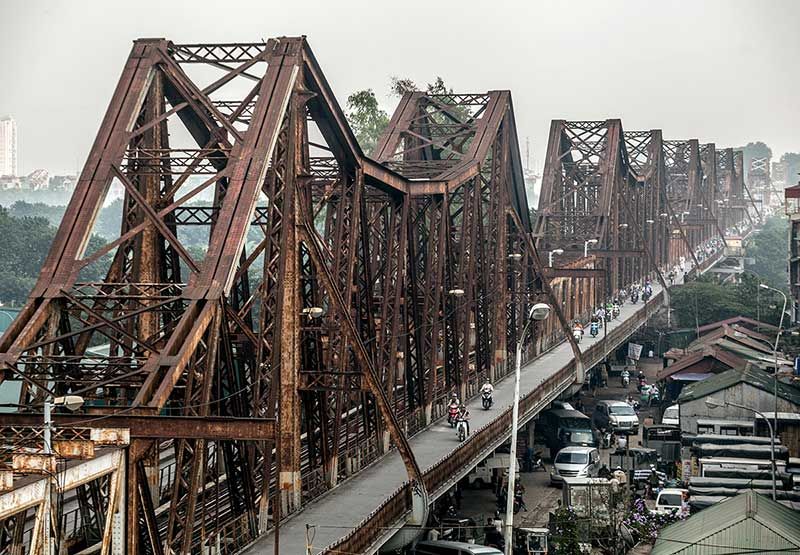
x,y
539,311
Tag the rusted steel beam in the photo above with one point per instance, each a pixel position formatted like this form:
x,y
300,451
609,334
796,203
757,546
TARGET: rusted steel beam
x,y
212,428
577,273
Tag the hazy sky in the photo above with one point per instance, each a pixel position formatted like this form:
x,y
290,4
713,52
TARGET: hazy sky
x,y
722,70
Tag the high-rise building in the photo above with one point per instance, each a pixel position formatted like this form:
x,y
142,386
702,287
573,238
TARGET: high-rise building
x,y
8,146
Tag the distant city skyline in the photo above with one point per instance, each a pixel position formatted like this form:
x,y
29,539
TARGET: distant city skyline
x,y
715,70
8,147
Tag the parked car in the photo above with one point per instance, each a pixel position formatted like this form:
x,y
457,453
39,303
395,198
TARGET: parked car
x,y
668,501
670,416
561,428
575,462
438,547
617,416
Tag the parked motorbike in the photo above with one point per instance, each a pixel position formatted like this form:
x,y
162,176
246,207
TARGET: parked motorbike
x,y
605,438
486,400
594,329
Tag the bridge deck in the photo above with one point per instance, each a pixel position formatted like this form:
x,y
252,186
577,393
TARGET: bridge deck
x,y
343,508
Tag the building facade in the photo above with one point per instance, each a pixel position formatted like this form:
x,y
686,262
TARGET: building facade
x,y
8,146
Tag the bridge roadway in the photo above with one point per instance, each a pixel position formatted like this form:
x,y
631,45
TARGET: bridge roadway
x,y
337,512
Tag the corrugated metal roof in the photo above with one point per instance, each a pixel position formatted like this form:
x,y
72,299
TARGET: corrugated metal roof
x,y
748,522
750,375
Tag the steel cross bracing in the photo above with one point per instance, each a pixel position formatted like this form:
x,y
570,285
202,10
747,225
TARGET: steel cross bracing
x,y
248,209
646,201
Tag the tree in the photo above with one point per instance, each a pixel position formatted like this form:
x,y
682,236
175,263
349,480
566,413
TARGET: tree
x,y
769,249
26,242
366,118
792,161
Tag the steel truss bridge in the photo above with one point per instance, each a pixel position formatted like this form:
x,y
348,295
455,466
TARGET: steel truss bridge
x,y
280,310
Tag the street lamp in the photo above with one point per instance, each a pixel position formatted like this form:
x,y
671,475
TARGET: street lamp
x,y
775,349
623,226
515,256
72,403
586,246
539,311
312,312
715,403
651,222
456,292
550,256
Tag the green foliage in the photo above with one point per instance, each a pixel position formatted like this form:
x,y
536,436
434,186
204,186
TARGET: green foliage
x,y
705,301
366,118
769,247
792,160
26,242
565,532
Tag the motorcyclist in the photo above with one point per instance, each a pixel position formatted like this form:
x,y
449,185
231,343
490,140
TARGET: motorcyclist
x,y
577,327
463,416
600,313
487,389
452,409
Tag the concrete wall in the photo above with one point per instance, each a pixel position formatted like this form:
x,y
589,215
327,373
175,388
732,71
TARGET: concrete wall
x,y
741,393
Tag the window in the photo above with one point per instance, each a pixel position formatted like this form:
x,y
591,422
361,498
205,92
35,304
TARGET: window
x,y
705,429
572,458
623,409
729,430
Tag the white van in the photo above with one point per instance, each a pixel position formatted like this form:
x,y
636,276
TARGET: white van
x,y
483,474
671,416
440,547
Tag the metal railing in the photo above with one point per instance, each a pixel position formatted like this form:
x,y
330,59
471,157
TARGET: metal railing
x,y
395,508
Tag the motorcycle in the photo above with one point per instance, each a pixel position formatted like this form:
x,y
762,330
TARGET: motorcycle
x,y
645,296
486,399
634,297
615,311
626,379
605,438
461,430
452,411
577,334
594,329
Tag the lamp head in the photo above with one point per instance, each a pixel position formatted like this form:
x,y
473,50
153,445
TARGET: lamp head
x,y
540,311
557,251
71,402
456,292
312,312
